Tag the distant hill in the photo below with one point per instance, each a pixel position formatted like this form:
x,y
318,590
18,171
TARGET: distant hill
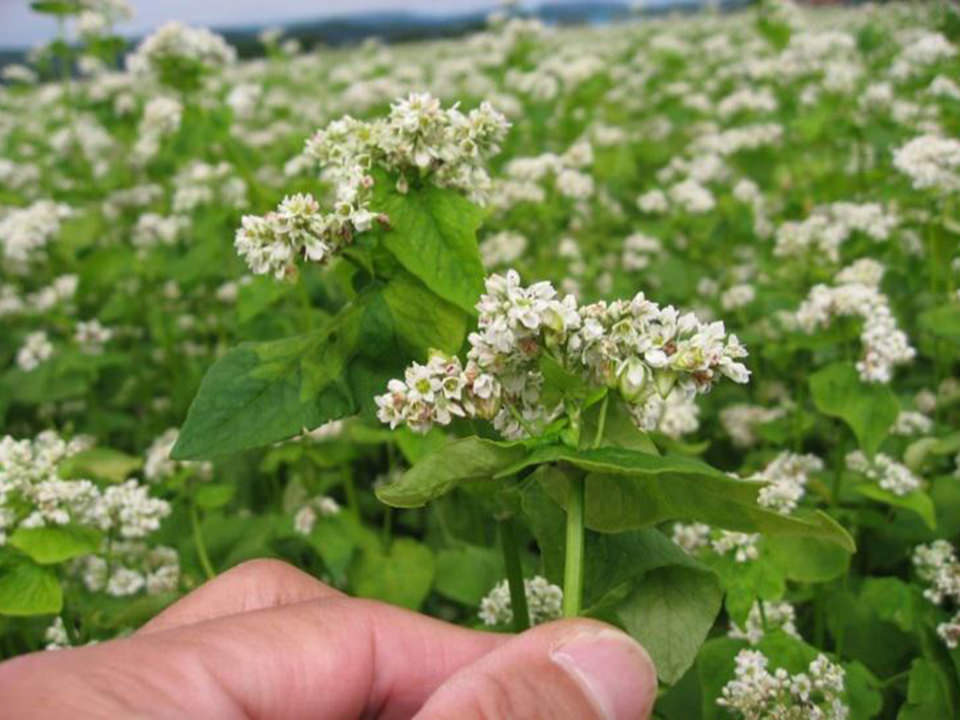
x,y
394,27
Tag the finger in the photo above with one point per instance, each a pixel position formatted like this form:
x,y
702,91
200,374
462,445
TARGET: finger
x,y
568,670
333,659
253,585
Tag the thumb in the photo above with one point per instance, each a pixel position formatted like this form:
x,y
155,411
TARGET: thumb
x,y
567,670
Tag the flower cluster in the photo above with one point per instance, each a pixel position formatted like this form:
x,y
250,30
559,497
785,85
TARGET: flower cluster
x,y
930,162
825,231
937,565
25,233
296,229
884,345
885,471
765,617
128,568
159,466
175,48
305,518
35,351
544,602
787,477
161,118
757,694
740,420
693,537
417,140
636,347
32,494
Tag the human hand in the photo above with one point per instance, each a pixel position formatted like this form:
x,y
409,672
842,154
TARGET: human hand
x,y
265,640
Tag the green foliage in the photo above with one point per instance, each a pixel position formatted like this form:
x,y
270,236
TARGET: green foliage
x,y
28,589
436,474
670,614
401,575
50,545
868,410
433,235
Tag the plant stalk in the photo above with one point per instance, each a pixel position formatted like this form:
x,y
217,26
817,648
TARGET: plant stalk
x,y
198,542
573,565
511,562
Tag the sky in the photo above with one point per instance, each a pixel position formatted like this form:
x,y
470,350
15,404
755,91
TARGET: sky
x,y
20,27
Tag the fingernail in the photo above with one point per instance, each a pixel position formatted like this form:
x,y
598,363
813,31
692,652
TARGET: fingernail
x,y
616,674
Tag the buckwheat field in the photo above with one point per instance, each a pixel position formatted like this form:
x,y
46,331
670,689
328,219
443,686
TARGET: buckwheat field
x,y
655,322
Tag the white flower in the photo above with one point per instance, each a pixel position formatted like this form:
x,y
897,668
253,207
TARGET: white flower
x,y
544,602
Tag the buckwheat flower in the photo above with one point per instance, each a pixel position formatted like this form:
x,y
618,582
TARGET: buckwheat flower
x,y
761,620
743,546
544,602
737,296
739,421
691,537
36,350
56,635
888,474
756,694
653,202
161,118
175,48
91,336
26,232
638,249
159,466
574,184
130,510
692,197
911,422
18,74
936,565
884,345
942,86
787,477
304,520
503,248
931,162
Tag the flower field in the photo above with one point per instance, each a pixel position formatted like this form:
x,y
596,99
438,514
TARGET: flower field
x,y
656,323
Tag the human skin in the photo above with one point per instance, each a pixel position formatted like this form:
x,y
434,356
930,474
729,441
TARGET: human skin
x,y
265,640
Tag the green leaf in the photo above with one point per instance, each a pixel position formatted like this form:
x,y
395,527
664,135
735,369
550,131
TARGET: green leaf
x,y
54,7
335,540
863,691
916,501
401,576
470,458
28,589
466,574
628,490
259,393
422,320
49,545
868,409
894,601
943,321
433,235
670,614
928,696
715,668
210,496
807,559
100,463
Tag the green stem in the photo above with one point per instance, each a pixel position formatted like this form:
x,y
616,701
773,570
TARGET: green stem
x,y
198,542
511,561
573,564
350,489
598,438
387,532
